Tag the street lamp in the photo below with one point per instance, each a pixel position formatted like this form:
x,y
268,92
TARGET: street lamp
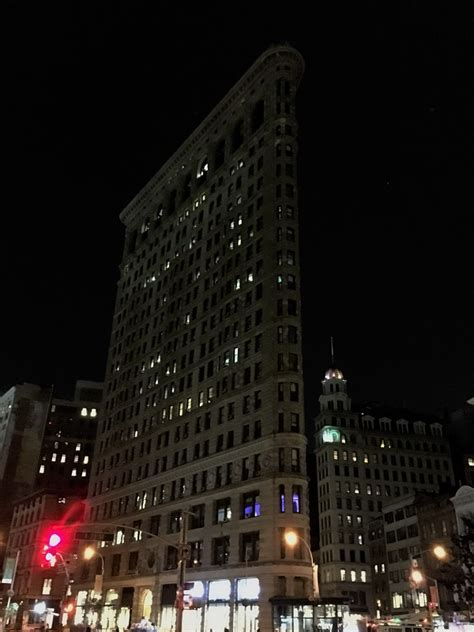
x,y
291,538
418,577
89,553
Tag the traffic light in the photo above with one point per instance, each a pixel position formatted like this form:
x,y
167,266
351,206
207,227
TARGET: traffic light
x,y
69,606
49,551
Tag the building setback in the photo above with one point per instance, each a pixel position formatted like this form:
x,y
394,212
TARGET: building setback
x,y
365,460
204,392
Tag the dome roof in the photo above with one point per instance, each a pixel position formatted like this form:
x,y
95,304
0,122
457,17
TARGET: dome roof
x,y
333,373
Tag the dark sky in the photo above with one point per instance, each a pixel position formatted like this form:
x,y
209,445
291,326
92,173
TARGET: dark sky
x,y
100,94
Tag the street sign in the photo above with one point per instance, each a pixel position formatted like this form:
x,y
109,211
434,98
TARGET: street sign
x,y
94,537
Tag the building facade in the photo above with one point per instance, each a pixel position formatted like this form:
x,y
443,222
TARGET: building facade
x,y
404,539
34,518
68,442
203,419
23,414
62,435
365,460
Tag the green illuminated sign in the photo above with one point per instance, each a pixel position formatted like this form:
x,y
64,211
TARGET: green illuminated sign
x,y
331,435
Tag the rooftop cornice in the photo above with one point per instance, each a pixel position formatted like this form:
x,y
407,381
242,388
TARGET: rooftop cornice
x,y
171,167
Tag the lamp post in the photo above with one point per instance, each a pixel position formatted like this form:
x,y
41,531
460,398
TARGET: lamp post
x,y
183,552
89,553
291,538
418,577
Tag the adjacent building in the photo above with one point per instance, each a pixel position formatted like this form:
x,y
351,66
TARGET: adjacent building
x,y
23,414
55,455
203,419
69,440
405,538
365,460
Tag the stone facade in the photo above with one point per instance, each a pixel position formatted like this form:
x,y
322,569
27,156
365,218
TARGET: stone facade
x,y
364,461
204,391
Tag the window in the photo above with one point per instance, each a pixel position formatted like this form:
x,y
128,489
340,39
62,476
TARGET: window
x,y
197,519
133,561
282,498
220,550
223,510
251,505
249,547
47,585
295,460
116,561
296,498
195,554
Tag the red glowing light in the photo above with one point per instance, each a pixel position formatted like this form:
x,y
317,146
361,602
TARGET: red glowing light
x,y
54,539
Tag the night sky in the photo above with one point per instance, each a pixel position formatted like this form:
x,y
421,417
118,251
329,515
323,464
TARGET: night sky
x,y
99,95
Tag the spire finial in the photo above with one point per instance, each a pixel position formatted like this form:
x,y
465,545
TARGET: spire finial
x,y
332,352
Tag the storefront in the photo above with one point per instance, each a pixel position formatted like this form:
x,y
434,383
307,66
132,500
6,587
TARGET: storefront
x,y
302,615
111,613
214,605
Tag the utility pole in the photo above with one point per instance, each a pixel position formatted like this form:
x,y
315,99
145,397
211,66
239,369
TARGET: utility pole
x,y
11,592
183,552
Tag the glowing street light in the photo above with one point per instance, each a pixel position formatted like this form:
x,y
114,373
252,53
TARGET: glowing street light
x,y
440,552
291,538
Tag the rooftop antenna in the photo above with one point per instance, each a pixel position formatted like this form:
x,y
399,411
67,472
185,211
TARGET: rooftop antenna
x,y
332,352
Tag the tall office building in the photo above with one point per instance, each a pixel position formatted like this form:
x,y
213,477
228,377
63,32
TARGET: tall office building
x,y
365,460
204,392
23,414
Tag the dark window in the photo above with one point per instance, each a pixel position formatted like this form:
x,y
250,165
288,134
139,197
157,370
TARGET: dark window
x,y
220,550
249,546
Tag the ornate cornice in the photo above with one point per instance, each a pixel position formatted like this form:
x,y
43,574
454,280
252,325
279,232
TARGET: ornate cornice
x,y
172,167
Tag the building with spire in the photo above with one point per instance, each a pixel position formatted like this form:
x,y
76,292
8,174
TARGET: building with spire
x,y
365,459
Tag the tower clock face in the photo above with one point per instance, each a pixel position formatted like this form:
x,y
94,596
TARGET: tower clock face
x,y
331,435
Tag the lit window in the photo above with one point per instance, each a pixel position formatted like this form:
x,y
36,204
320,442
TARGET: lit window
x,y
363,576
63,458
54,457
86,460
236,354
84,412
353,576
76,458
335,455
41,470
74,472
470,462
84,473
93,412
119,536
78,447
47,585
342,573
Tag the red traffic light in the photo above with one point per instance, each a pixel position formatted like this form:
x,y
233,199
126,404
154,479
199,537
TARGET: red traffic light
x,y
54,540
49,552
